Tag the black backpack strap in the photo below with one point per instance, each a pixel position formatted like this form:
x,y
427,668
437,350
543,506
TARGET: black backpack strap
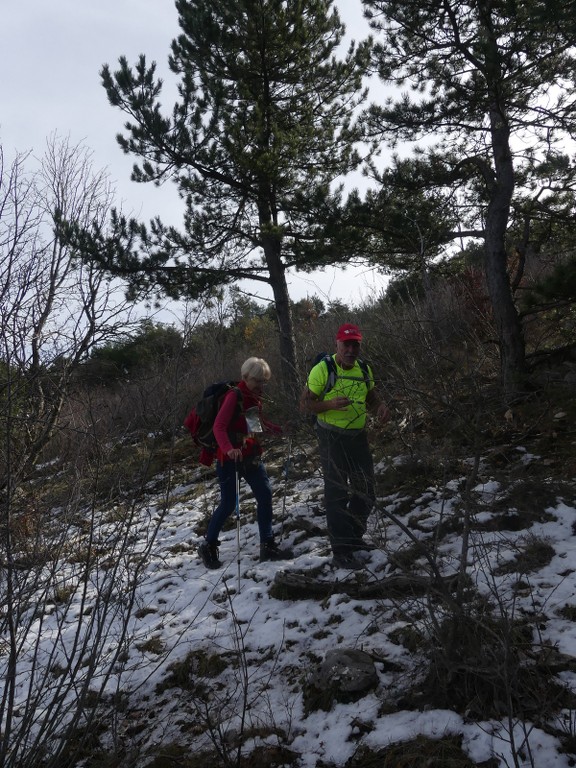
x,y
331,379
332,373
236,436
365,371
239,408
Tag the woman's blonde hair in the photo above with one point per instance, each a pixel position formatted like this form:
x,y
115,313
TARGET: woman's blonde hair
x,y
255,367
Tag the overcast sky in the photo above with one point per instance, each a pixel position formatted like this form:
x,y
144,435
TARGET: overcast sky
x,y
51,54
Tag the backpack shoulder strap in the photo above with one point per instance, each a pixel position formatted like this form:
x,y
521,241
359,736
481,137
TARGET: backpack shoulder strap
x,y
331,380
231,386
239,397
332,374
365,370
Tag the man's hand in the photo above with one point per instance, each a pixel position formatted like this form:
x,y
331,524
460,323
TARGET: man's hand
x,y
338,403
383,413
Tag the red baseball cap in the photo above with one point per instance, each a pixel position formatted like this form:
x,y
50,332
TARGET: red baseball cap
x,y
348,332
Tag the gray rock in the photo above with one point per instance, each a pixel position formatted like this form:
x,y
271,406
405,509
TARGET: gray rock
x,y
346,674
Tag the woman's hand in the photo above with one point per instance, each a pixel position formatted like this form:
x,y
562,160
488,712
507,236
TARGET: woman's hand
x,y
235,454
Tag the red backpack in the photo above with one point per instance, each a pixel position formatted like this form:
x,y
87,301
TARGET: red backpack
x,y
200,420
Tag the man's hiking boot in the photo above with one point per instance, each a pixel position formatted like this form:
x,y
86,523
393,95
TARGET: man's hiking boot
x,y
363,546
209,554
347,561
269,550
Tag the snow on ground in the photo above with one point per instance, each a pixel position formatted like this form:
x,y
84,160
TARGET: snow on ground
x,y
270,646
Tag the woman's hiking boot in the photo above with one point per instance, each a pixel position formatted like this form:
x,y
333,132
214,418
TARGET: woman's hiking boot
x,y
209,554
269,550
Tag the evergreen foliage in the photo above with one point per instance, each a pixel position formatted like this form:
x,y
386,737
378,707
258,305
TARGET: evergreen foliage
x,y
262,128
152,344
492,98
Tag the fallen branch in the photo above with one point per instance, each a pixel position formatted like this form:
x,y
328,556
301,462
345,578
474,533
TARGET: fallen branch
x,y
294,585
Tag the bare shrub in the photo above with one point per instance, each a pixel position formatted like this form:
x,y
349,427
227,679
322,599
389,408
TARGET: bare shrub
x,y
53,309
68,578
69,590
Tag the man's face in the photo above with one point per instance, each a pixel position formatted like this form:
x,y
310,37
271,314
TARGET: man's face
x,y
347,352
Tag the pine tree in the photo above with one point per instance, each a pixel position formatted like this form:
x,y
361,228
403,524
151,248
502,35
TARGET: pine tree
x,y
262,129
492,97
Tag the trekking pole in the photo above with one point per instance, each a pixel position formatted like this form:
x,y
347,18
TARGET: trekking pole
x,y
238,521
286,470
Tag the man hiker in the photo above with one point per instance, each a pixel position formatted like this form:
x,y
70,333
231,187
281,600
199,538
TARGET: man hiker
x,y
340,389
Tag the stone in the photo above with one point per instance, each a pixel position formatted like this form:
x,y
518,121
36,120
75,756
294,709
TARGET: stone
x,y
347,673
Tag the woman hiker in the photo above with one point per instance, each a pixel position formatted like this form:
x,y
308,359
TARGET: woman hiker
x,y
239,451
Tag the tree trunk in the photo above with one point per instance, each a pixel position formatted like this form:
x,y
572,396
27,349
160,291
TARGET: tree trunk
x,y
508,325
277,271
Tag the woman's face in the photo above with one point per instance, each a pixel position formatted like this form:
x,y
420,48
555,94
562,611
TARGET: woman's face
x,y
256,384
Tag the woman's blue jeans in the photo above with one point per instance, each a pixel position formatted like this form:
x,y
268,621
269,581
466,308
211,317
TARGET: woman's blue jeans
x,y
257,478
